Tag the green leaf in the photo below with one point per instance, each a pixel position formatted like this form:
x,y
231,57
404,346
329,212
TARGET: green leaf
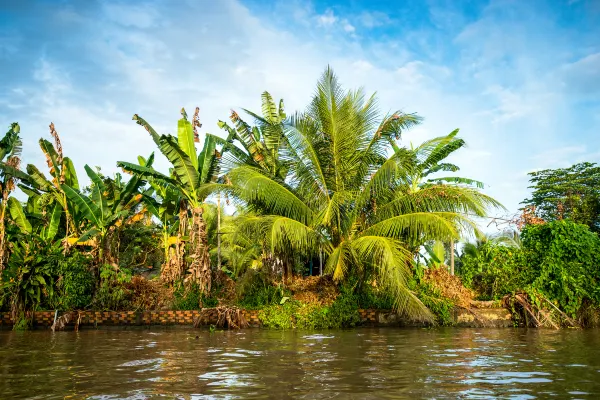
x,y
70,174
140,121
50,153
86,206
185,170
38,178
207,160
54,222
185,137
17,214
98,189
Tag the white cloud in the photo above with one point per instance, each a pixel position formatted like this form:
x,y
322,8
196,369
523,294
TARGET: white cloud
x,y
327,19
373,19
348,27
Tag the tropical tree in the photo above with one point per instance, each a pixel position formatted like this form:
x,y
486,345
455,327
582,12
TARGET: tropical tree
x,y
261,145
109,203
567,193
44,192
191,176
163,203
10,150
344,193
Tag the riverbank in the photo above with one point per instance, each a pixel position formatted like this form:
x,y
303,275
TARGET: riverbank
x,y
497,317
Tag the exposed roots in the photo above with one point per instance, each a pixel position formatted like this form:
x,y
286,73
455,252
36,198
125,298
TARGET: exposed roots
x,y
228,317
538,313
61,322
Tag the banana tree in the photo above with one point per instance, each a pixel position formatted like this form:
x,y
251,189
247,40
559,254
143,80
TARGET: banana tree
x,y
105,208
10,149
162,201
191,176
48,192
45,225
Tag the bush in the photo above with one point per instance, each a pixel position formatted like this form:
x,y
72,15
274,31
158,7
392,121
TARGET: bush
x,y
563,263
343,313
440,306
255,290
75,284
113,294
494,271
190,298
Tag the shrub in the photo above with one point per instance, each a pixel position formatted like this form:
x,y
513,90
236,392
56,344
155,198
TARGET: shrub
x,y
190,298
494,270
113,294
563,263
342,313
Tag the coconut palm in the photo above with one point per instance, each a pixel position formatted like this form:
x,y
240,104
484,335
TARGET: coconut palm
x,y
191,176
345,194
261,144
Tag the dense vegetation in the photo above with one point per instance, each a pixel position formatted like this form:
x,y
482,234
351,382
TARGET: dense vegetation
x,y
328,191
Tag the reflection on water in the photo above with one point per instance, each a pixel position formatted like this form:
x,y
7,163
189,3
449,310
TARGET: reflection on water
x,y
356,364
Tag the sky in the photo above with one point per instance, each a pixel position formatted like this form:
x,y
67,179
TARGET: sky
x,y
521,79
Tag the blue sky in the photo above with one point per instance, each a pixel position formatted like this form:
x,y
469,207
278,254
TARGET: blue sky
x,y
521,79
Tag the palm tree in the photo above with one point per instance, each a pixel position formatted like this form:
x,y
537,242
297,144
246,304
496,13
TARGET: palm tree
x,y
345,194
191,175
261,144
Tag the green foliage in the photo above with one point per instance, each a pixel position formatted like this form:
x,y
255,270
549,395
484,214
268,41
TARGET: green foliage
x,y
567,193
279,316
140,247
369,297
343,313
28,278
493,270
255,290
563,263
189,297
22,323
112,294
75,285
441,307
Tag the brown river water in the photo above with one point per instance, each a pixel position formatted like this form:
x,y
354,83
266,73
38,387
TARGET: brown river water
x,y
365,363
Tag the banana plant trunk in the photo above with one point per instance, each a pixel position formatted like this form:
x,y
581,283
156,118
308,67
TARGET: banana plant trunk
x,y
3,229
200,266
173,267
